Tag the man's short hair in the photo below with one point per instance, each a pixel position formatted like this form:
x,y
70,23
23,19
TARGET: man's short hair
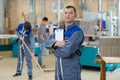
x,y
70,6
45,19
27,25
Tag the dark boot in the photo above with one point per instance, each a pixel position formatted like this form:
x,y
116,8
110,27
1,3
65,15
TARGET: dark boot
x,y
17,74
30,77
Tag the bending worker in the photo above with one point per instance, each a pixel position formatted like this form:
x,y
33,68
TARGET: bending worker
x,y
25,33
67,51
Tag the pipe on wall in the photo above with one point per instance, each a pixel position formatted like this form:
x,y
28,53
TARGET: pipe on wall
x,y
99,5
1,16
118,17
58,13
43,8
32,6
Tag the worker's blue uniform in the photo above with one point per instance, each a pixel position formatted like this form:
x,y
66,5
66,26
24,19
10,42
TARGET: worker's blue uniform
x,y
68,63
29,40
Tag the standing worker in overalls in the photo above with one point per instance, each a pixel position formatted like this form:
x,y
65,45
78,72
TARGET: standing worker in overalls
x,y
25,33
67,51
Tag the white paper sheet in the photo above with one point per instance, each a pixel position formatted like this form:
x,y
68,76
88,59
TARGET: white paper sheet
x,y
59,34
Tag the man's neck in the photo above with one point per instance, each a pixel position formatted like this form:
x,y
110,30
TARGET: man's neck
x,y
68,24
43,24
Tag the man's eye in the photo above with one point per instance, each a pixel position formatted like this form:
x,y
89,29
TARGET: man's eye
x,y
65,12
71,12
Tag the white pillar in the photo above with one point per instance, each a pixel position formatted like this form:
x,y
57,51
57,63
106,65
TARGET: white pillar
x,y
99,5
58,13
43,8
1,16
111,25
118,17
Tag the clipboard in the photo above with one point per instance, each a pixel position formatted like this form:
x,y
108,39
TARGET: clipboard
x,y
59,35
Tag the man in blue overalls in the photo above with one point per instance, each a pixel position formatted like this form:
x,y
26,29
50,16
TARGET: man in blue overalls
x,y
25,33
67,51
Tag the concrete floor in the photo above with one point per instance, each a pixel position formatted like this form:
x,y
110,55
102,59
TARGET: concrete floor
x,y
8,68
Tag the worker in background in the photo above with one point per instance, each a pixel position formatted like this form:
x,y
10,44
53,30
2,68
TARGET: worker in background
x,y
42,35
25,33
67,51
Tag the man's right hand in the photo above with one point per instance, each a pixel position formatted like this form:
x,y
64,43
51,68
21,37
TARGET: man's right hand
x,y
21,38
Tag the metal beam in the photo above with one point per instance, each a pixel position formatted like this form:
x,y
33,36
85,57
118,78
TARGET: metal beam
x,y
118,17
99,5
1,16
58,13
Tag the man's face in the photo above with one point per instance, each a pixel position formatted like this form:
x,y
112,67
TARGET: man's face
x,y
69,15
45,22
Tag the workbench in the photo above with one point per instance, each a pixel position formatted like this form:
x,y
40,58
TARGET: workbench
x,y
88,58
109,54
13,44
6,46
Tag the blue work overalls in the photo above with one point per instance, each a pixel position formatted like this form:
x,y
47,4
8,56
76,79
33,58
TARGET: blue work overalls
x,y
67,63
29,40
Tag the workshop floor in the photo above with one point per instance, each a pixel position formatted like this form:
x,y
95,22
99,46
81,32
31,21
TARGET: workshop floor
x,y
8,68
